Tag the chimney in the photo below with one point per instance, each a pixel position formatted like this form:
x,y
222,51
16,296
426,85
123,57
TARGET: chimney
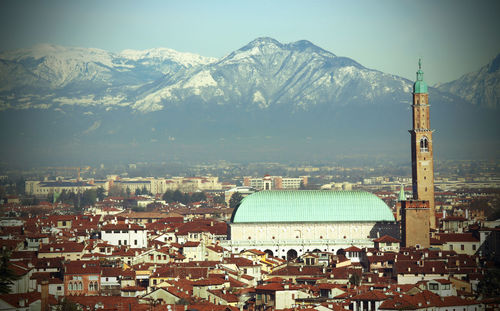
x,y
45,296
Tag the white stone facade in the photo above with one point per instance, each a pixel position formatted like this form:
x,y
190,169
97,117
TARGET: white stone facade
x,y
280,238
135,238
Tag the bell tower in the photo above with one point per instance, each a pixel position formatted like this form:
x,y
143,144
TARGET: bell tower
x,y
421,146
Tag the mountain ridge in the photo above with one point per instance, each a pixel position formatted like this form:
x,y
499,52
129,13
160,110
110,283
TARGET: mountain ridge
x,y
481,87
266,100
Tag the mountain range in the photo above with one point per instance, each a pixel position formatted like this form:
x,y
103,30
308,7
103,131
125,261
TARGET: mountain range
x,y
264,101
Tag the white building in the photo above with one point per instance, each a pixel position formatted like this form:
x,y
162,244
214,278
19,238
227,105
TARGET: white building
x,y
128,234
275,182
43,188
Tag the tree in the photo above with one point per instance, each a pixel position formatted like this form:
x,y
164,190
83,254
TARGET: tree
x,y
144,190
50,197
89,197
182,301
100,193
7,276
355,279
178,196
168,196
198,196
116,191
67,305
219,199
489,287
137,191
235,200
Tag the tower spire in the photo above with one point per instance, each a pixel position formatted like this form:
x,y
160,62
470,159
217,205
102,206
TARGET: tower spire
x,y
420,86
402,195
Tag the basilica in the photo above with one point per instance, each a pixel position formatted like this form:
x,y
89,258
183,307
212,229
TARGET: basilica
x,y
290,223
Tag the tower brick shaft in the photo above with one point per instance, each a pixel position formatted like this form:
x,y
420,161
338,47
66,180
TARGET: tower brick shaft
x,y
422,147
415,223
45,296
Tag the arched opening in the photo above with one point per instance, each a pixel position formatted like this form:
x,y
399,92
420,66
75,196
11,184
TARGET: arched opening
x,y
316,250
291,255
269,252
424,144
341,252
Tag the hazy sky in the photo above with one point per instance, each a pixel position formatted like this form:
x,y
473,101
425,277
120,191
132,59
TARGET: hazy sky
x,y
453,37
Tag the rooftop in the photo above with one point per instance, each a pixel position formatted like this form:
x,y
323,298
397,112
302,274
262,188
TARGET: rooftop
x,y
311,206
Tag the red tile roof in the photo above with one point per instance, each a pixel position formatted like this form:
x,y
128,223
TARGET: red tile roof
x,y
386,239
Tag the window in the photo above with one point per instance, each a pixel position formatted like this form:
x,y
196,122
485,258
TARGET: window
x,y
59,287
451,247
433,286
462,247
473,247
70,286
135,242
424,144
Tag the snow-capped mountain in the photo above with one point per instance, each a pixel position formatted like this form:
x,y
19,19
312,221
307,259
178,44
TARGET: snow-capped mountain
x,y
50,75
265,100
481,87
160,56
267,74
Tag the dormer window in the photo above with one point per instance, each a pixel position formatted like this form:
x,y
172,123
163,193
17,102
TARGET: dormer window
x,y
424,144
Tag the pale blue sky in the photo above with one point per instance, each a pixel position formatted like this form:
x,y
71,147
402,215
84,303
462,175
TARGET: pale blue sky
x,y
453,37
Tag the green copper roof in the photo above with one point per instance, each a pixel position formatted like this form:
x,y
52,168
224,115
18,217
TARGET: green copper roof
x,y
420,86
311,206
